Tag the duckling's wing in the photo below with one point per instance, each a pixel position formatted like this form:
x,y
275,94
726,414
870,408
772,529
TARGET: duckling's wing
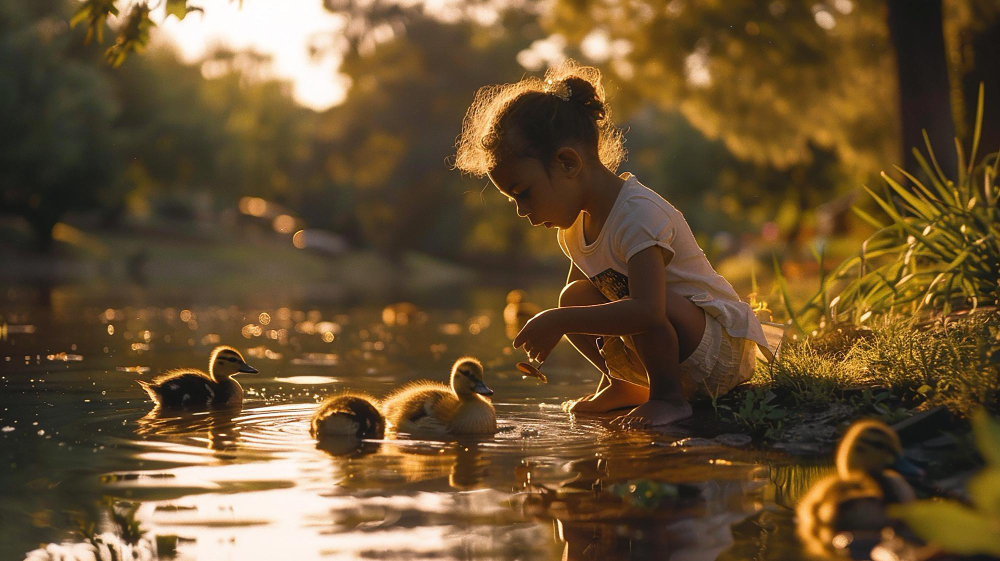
x,y
421,407
182,389
409,400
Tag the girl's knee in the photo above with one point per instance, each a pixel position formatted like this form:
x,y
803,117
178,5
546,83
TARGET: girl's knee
x,y
580,293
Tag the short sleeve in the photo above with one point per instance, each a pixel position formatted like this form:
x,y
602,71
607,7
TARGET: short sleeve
x,y
644,224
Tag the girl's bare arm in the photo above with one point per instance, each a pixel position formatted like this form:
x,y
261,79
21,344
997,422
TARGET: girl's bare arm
x,y
642,310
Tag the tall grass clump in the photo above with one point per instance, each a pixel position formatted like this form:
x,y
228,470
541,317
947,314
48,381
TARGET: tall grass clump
x,y
955,364
938,251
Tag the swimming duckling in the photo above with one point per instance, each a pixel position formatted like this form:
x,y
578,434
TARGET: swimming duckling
x,y
194,388
848,509
350,414
427,406
518,310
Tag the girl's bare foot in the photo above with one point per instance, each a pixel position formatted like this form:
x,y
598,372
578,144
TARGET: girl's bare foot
x,y
655,412
617,394
601,384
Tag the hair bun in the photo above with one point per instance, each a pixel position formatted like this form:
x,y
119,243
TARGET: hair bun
x,y
582,92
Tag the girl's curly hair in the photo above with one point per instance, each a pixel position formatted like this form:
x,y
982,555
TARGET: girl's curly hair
x,y
537,116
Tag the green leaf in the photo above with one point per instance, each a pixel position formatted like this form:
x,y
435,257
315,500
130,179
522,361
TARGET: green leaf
x,y
177,8
984,489
951,526
986,431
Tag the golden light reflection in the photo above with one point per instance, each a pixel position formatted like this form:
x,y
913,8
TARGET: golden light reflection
x,y
399,313
254,206
284,224
299,239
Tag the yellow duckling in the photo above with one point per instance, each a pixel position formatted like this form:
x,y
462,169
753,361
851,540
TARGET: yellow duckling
x,y
518,311
194,388
848,509
348,414
427,406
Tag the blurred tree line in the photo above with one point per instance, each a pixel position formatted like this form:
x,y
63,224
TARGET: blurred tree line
x,y
743,113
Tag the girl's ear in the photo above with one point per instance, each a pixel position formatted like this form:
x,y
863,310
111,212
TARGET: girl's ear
x,y
568,161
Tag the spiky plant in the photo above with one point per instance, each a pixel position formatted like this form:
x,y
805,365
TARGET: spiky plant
x,y
939,251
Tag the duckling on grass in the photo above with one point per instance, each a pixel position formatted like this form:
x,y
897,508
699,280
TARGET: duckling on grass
x,y
348,414
425,406
186,388
848,509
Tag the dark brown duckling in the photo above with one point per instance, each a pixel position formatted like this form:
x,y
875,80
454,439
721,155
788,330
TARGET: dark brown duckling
x,y
193,388
348,414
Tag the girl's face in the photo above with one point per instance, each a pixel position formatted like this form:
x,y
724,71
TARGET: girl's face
x,y
544,199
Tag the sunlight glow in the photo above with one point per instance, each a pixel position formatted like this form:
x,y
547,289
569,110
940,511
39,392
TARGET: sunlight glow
x,y
286,30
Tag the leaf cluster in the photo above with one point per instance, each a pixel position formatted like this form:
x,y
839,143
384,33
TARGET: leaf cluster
x,y
133,34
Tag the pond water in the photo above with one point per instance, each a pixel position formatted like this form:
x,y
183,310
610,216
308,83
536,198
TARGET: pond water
x,y
79,450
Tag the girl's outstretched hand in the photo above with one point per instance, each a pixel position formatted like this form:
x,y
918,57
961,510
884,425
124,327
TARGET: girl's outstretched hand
x,y
540,335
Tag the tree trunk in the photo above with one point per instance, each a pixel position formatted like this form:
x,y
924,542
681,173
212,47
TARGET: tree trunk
x,y
915,27
976,52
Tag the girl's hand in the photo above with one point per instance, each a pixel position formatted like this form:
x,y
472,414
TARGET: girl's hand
x,y
540,335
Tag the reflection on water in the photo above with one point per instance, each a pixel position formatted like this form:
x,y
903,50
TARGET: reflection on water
x,y
250,483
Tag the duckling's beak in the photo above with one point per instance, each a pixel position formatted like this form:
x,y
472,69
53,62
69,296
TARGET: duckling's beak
x,y
248,369
481,388
907,468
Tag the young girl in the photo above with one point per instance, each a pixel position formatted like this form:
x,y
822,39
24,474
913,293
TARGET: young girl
x,y
636,270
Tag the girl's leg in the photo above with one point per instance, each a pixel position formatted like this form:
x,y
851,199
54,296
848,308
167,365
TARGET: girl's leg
x,y
662,350
611,393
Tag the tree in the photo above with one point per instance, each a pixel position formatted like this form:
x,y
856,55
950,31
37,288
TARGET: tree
x,y
57,151
389,141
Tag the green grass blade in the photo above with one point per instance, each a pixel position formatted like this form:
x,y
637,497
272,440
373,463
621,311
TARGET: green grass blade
x,y
923,188
869,219
786,295
930,152
979,126
941,188
960,154
919,206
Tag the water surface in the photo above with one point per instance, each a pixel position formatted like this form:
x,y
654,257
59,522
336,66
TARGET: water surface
x,y
79,443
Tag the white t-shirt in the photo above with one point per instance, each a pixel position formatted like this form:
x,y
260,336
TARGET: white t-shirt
x,y
641,218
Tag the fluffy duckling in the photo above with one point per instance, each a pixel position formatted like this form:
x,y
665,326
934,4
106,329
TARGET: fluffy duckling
x,y
348,414
848,509
427,406
194,388
518,310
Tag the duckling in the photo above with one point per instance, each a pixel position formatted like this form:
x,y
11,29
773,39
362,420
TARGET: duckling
x,y
847,509
350,414
194,388
427,406
518,310
872,447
